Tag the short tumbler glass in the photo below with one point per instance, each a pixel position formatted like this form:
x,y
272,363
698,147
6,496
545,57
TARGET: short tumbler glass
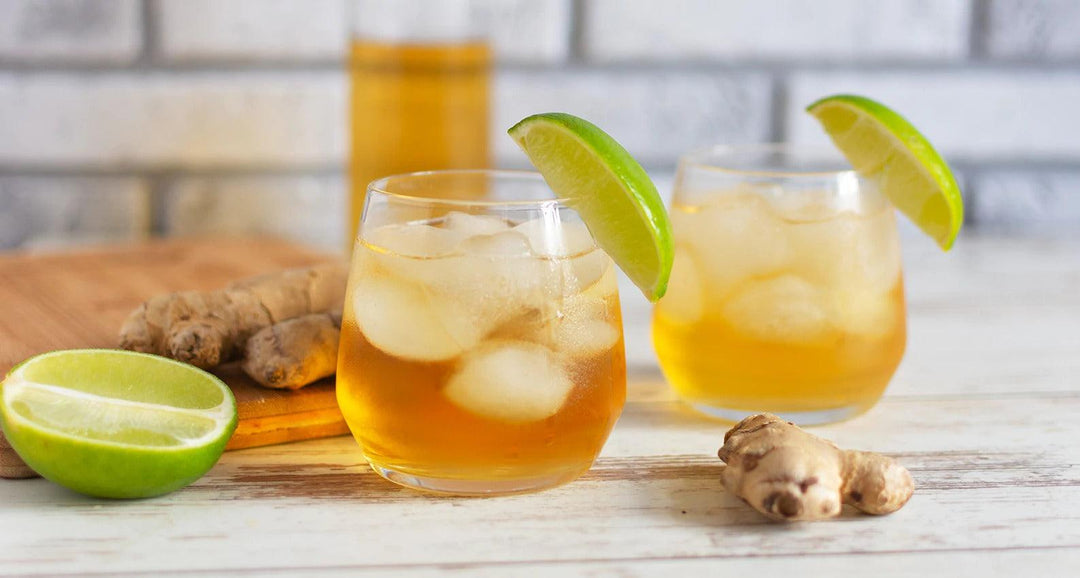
x,y
481,345
786,294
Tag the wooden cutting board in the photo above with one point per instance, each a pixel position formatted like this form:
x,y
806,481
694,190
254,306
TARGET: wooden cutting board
x,y
79,299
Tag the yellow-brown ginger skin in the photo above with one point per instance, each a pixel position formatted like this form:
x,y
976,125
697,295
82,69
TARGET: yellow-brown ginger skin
x,y
789,474
295,352
209,328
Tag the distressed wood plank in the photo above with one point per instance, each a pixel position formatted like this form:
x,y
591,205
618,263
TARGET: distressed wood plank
x,y
991,474
1051,561
983,411
992,316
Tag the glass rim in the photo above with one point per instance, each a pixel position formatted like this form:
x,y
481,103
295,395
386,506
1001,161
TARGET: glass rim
x,y
706,158
379,186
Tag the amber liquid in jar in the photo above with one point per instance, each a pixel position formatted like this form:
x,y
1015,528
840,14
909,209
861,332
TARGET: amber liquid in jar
x,y
415,107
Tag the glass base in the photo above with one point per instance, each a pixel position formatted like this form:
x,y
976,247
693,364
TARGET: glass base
x,y
817,417
459,487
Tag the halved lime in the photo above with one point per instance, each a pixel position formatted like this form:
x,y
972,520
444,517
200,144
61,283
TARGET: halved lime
x,y
116,424
609,189
883,145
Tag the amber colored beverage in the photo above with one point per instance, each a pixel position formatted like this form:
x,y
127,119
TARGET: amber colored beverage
x,y
786,296
408,425
421,106
481,352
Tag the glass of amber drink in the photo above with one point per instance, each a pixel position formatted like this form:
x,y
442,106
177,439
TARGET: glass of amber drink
x,y
786,293
481,346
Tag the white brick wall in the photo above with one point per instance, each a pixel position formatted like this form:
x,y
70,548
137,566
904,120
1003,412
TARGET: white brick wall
x,y
635,30
284,119
1034,29
226,115
50,211
250,29
306,209
188,120
656,115
532,31
1047,202
70,30
976,116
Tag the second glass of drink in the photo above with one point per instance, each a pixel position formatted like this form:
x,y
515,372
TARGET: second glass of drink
x,y
786,294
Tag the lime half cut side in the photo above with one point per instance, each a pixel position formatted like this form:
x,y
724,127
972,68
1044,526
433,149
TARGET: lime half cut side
x,y
884,146
116,424
609,189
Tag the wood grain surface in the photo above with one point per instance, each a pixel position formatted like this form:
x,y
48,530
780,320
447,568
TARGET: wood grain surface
x,y
983,412
79,299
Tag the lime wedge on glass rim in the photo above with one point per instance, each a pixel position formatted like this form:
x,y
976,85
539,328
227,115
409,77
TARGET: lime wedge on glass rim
x,y
884,146
116,424
608,188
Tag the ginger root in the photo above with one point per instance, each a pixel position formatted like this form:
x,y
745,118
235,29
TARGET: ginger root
x,y
789,474
207,329
294,353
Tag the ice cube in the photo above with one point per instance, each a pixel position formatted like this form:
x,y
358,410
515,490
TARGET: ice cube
x,y
684,302
413,251
582,263
464,268
471,225
403,320
736,237
849,253
531,324
504,270
805,205
784,309
538,323
485,279
494,279
510,381
583,327
557,238
414,240
501,270
507,243
585,271
869,315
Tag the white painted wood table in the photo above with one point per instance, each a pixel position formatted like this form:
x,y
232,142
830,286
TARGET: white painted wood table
x,y
985,411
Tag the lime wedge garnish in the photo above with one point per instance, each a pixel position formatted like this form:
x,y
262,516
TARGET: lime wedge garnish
x,y
116,424
609,189
883,145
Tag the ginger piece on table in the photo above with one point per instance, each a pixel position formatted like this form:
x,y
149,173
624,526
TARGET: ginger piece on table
x,y
295,352
791,475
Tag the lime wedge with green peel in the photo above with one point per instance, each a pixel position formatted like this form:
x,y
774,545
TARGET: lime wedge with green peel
x,y
116,424
882,145
609,189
